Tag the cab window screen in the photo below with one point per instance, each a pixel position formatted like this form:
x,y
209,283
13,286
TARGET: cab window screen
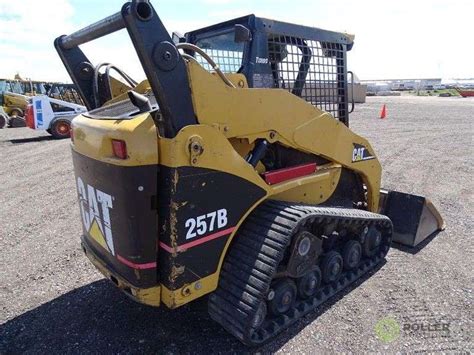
x,y
223,50
312,70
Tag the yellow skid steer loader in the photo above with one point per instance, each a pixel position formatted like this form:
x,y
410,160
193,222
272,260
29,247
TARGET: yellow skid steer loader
x,y
231,171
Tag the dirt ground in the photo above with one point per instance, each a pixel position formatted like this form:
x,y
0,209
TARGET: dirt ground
x,y
52,300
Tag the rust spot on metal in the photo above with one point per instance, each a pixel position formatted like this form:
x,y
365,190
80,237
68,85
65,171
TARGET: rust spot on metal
x,y
175,272
175,269
174,207
173,210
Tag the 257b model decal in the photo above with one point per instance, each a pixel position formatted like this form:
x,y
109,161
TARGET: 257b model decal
x,y
209,226
206,223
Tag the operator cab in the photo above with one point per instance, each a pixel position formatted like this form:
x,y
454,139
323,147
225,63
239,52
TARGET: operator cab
x,y
309,62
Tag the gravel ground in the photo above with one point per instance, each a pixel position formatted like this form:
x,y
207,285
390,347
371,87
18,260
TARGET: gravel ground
x,y
52,299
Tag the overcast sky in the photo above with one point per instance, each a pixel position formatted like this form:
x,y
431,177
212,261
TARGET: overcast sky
x,y
394,39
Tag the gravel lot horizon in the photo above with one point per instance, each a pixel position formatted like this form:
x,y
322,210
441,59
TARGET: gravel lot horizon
x,y
52,300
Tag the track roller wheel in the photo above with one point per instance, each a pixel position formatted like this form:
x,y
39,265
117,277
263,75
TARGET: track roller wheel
x,y
372,242
351,254
260,315
309,283
282,296
331,266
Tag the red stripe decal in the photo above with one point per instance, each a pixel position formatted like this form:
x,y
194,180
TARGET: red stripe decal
x,y
167,248
280,175
136,266
197,242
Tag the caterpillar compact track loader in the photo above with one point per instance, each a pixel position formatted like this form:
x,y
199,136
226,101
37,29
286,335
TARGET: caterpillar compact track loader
x,y
231,171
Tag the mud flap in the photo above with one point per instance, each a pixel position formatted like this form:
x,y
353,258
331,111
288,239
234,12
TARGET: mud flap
x,y
414,217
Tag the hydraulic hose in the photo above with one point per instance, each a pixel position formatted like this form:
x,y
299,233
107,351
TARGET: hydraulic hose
x,y
95,82
213,64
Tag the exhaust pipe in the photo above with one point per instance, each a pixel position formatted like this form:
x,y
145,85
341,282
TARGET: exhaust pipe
x,y
414,217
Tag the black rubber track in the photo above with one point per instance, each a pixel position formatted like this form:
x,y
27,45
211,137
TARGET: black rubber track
x,y
258,249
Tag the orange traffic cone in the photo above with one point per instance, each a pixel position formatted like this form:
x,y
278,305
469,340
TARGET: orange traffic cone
x,y
383,113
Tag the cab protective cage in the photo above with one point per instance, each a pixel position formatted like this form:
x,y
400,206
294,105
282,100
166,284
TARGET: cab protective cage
x,y
309,62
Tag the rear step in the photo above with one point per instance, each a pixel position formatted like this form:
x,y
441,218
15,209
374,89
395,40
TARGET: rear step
x,y
414,217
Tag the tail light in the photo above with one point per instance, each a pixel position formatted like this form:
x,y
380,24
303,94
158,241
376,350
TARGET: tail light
x,y
119,148
30,117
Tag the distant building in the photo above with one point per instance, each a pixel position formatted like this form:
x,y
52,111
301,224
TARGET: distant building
x,y
465,83
376,86
429,84
401,84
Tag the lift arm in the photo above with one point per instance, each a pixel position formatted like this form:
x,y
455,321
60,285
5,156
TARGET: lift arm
x,y
159,57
